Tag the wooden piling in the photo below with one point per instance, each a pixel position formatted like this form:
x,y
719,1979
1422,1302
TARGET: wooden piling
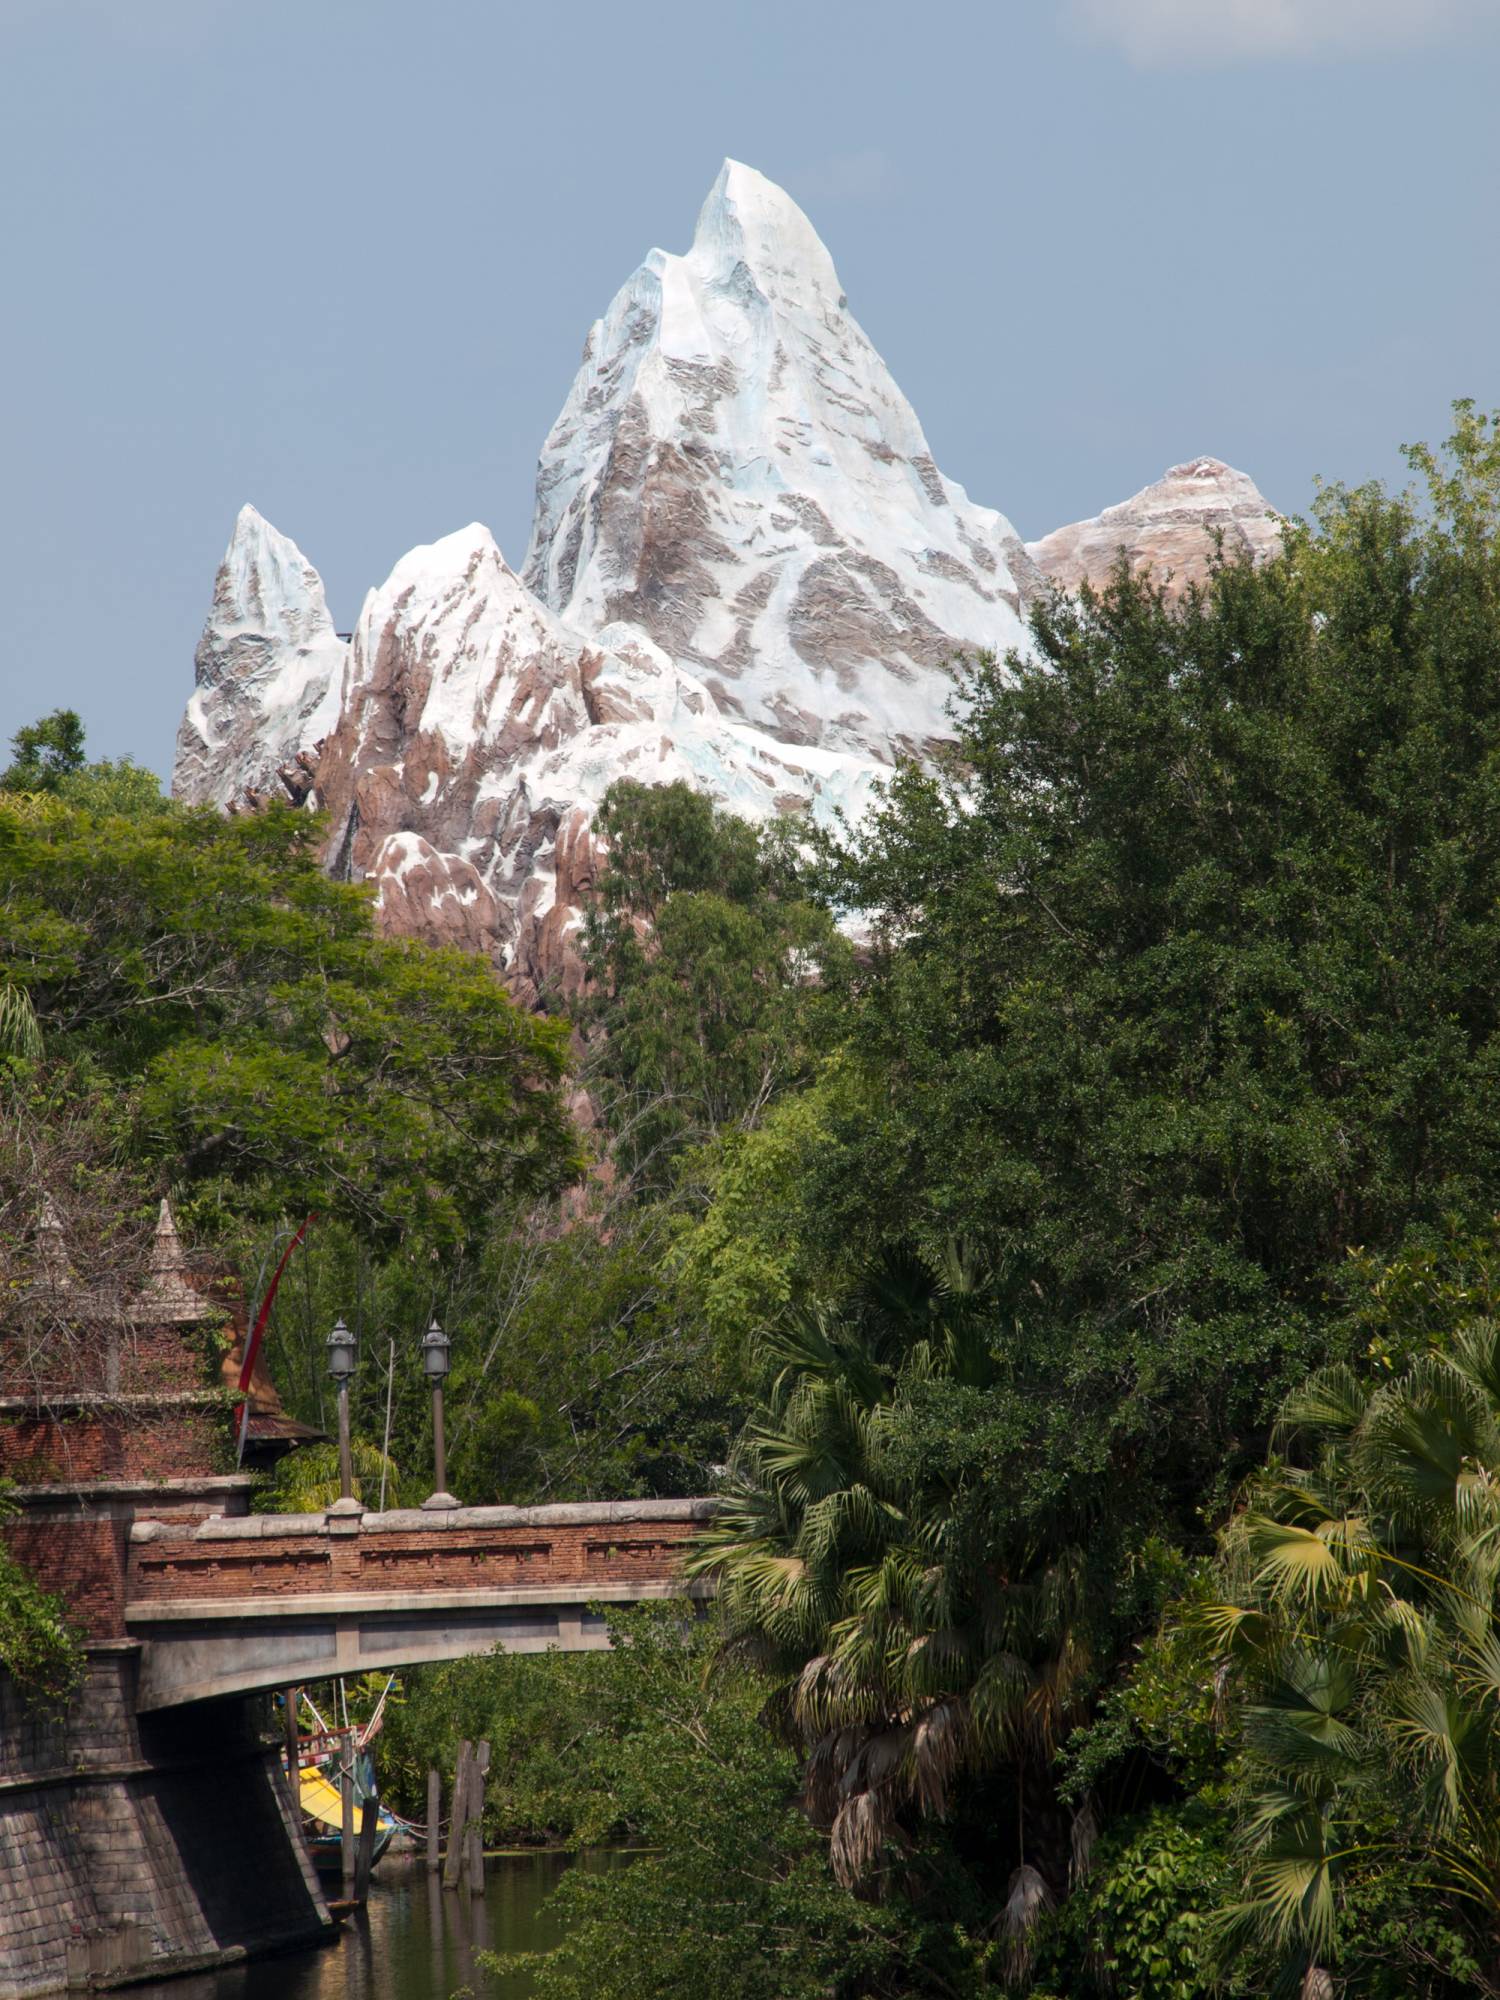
x,y
365,1857
293,1748
457,1816
346,1830
434,1816
475,1852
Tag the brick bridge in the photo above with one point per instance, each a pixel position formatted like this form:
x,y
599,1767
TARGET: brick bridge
x,y
229,1606
151,1830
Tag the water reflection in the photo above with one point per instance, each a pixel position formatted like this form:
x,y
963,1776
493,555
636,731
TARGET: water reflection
x,y
413,1941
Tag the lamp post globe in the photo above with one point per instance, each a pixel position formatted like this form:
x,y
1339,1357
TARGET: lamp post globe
x,y
341,1348
341,1345
435,1346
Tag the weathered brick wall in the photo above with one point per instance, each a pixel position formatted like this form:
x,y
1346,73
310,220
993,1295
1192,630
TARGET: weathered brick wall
x,y
44,1449
149,1846
123,1357
83,1561
477,1548
75,1540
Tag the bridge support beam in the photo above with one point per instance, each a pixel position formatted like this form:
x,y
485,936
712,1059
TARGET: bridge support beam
x,y
203,1649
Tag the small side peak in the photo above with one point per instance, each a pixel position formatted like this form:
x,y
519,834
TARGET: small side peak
x,y
449,557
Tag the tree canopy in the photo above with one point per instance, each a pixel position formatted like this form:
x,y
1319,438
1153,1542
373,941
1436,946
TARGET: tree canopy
x,y
269,1045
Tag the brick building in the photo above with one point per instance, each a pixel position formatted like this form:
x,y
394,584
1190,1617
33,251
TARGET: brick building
x,y
116,1857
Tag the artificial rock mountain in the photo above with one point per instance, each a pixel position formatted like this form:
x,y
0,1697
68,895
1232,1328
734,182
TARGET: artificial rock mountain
x,y
1170,528
745,571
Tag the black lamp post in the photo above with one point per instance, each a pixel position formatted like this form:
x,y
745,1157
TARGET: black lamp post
x,y
341,1345
435,1363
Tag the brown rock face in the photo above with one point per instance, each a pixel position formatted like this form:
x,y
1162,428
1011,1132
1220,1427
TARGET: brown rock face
x,y
479,734
1166,529
459,685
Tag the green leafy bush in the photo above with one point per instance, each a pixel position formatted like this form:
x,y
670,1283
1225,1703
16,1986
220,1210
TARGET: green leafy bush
x,y
39,1646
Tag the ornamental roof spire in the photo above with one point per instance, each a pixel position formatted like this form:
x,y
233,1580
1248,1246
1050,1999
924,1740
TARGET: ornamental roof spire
x,y
169,1293
52,1247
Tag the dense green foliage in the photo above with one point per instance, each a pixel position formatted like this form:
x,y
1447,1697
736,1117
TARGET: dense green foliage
x,y
734,1896
49,758
45,753
226,1016
867,1557
715,974
275,1051
1363,1643
1179,989
39,1648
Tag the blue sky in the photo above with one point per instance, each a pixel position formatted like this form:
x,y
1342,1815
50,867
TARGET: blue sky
x,y
338,257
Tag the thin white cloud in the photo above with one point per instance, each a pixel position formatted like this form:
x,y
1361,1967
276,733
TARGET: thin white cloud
x,y
1171,34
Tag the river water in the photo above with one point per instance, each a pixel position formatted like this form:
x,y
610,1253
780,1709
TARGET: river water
x,y
411,1941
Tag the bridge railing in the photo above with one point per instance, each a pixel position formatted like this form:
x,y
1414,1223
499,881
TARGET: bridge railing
x,y
412,1551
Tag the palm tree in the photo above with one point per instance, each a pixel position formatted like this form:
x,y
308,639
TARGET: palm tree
x,y
1361,1642
307,1481
904,1653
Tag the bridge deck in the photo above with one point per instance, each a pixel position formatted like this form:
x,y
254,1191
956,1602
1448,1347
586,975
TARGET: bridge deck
x,y
227,1606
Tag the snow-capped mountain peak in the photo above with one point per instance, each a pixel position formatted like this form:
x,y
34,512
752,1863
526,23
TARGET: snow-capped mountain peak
x,y
745,573
736,475
267,589
269,670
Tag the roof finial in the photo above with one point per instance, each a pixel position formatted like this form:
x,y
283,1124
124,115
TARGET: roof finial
x,y
169,1293
52,1246
166,1251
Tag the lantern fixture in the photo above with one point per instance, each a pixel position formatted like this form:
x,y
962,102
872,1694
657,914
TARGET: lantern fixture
x,y
435,1365
341,1345
435,1345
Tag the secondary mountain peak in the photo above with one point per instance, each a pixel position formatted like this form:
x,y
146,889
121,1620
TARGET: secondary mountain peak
x,y
268,669
1168,529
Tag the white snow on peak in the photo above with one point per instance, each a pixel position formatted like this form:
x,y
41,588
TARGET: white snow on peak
x,y
267,588
747,219
269,670
736,474
450,637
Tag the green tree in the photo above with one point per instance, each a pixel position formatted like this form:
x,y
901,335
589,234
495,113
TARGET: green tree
x,y
49,759
1179,986
270,1047
1363,1643
580,1368
734,1897
870,1558
113,785
711,967
45,753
